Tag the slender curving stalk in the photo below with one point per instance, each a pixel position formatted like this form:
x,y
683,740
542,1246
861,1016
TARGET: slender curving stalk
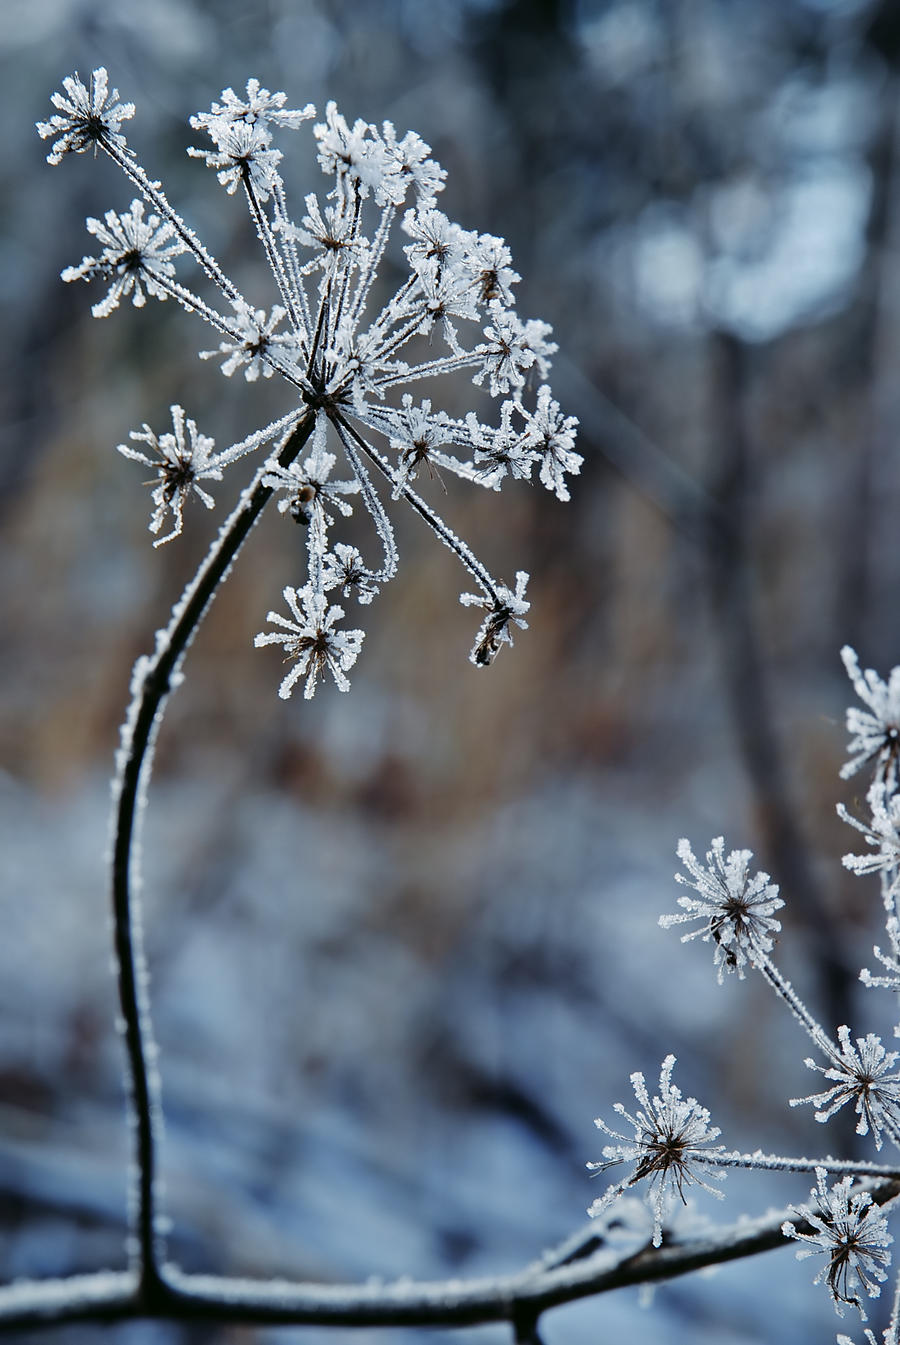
x,y
154,678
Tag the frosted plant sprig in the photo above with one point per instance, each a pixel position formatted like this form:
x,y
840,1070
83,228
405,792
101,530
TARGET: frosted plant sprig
x,y
311,641
860,1074
735,908
883,833
876,731
181,461
136,258
88,117
672,1138
853,1234
340,355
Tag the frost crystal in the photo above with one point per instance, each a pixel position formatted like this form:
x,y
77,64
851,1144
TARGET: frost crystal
x,y
737,910
180,463
876,731
860,1075
345,360
853,1234
672,1138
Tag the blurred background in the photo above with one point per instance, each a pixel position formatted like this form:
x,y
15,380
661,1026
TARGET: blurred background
x,y
404,942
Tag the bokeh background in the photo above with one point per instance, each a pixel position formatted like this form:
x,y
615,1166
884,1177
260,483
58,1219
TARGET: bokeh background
x,y
404,943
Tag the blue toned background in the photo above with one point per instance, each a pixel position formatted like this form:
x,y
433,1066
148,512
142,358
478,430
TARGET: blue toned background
x,y
404,943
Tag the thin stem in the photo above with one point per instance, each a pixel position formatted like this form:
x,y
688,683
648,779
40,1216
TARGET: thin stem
x,y
774,1163
437,525
154,194
787,992
154,677
274,258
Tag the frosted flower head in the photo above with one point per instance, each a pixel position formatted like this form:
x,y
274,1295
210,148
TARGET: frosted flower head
x,y
347,362
507,608
243,156
736,910
88,117
852,1233
257,344
311,641
882,833
308,488
550,436
512,349
501,451
181,460
417,434
344,569
260,107
672,1139
136,258
876,731
860,1074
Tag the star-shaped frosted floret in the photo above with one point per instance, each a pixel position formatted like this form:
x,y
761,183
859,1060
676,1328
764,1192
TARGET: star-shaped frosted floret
x,y
502,451
488,264
552,436
890,961
349,152
883,832
736,910
417,433
259,106
86,116
410,165
343,568
853,1234
243,154
860,1075
308,488
332,232
437,241
260,339
876,731
312,642
672,1139
508,608
513,348
136,258
181,461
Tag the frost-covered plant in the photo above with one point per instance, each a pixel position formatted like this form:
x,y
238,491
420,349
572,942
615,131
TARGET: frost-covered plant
x,y
347,352
344,349
673,1137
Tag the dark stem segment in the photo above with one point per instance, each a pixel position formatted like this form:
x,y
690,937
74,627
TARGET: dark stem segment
x,y
154,677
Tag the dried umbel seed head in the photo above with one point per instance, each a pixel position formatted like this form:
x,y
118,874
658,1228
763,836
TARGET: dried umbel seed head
x,y
344,362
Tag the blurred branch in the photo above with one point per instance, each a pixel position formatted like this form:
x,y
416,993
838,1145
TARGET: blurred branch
x,y
516,1298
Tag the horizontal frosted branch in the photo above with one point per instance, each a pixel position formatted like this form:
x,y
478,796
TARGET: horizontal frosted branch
x,y
176,1296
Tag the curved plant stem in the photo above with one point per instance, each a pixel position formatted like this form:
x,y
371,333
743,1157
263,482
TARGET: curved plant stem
x,y
154,677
